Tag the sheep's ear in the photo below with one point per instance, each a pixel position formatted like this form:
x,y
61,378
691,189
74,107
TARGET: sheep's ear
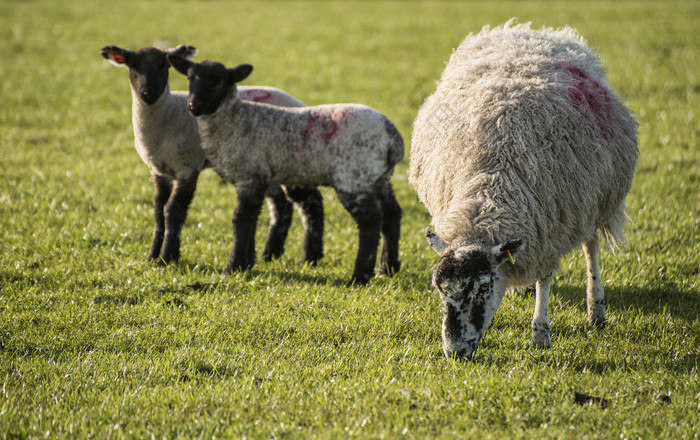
x,y
180,64
508,250
115,55
438,244
239,73
183,51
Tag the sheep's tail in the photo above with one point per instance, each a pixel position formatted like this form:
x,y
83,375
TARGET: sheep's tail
x,y
396,147
614,230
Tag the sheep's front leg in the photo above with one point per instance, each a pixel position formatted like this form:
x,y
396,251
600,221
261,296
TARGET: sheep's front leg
x,y
595,297
163,187
364,209
175,215
280,219
245,218
309,202
540,337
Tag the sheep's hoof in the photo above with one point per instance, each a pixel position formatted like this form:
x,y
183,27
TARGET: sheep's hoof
x,y
310,262
360,279
540,337
236,268
390,269
597,321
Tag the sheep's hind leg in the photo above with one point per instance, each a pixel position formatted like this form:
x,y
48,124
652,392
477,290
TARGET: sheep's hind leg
x,y
389,263
163,187
245,218
368,216
595,297
540,336
175,215
280,220
309,202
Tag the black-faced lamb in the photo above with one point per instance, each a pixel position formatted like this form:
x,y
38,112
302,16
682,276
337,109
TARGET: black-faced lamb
x,y
167,139
349,147
522,153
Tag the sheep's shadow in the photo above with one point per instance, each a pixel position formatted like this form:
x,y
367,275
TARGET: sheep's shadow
x,y
666,298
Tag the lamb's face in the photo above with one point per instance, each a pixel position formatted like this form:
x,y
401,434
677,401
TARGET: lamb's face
x,y
148,73
209,86
148,68
211,83
471,281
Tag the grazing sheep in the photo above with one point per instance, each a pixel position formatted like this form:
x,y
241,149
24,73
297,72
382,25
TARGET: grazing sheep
x,y
522,153
349,147
167,139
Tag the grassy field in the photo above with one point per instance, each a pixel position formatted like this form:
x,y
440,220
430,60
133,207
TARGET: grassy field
x,y
96,343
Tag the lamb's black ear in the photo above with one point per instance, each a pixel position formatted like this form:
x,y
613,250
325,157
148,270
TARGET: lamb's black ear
x,y
183,50
239,73
508,250
115,55
180,64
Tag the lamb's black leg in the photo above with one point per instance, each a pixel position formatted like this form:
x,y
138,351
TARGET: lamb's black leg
x,y
309,201
245,218
366,212
175,214
389,263
280,219
163,187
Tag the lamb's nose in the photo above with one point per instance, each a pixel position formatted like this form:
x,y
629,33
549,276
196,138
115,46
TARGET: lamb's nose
x,y
194,108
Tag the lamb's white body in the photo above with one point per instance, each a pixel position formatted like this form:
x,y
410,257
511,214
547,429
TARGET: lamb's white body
x,y
524,139
177,153
345,146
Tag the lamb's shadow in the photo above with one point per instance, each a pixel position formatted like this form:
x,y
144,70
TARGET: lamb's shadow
x,y
301,274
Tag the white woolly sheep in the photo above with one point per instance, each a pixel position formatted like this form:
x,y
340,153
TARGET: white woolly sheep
x,y
167,139
349,147
522,153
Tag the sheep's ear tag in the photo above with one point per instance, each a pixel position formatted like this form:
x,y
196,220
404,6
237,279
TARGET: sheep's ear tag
x,y
508,250
119,58
438,244
114,55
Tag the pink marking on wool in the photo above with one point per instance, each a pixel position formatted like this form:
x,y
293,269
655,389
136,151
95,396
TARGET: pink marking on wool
x,y
333,121
310,126
258,95
590,95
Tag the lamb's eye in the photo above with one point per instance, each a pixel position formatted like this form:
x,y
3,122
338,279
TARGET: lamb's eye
x,y
484,288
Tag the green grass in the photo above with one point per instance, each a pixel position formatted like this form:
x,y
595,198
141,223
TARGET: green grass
x,y
95,343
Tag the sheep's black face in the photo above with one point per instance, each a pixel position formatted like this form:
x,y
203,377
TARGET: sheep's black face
x,y
148,73
471,281
209,86
465,279
148,68
211,83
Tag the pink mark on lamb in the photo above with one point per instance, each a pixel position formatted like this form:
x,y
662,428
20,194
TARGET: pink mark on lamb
x,y
329,121
590,95
258,95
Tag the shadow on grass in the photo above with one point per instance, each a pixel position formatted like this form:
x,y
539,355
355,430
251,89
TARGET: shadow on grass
x,y
664,298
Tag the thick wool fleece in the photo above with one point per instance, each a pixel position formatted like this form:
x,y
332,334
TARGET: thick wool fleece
x,y
523,138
